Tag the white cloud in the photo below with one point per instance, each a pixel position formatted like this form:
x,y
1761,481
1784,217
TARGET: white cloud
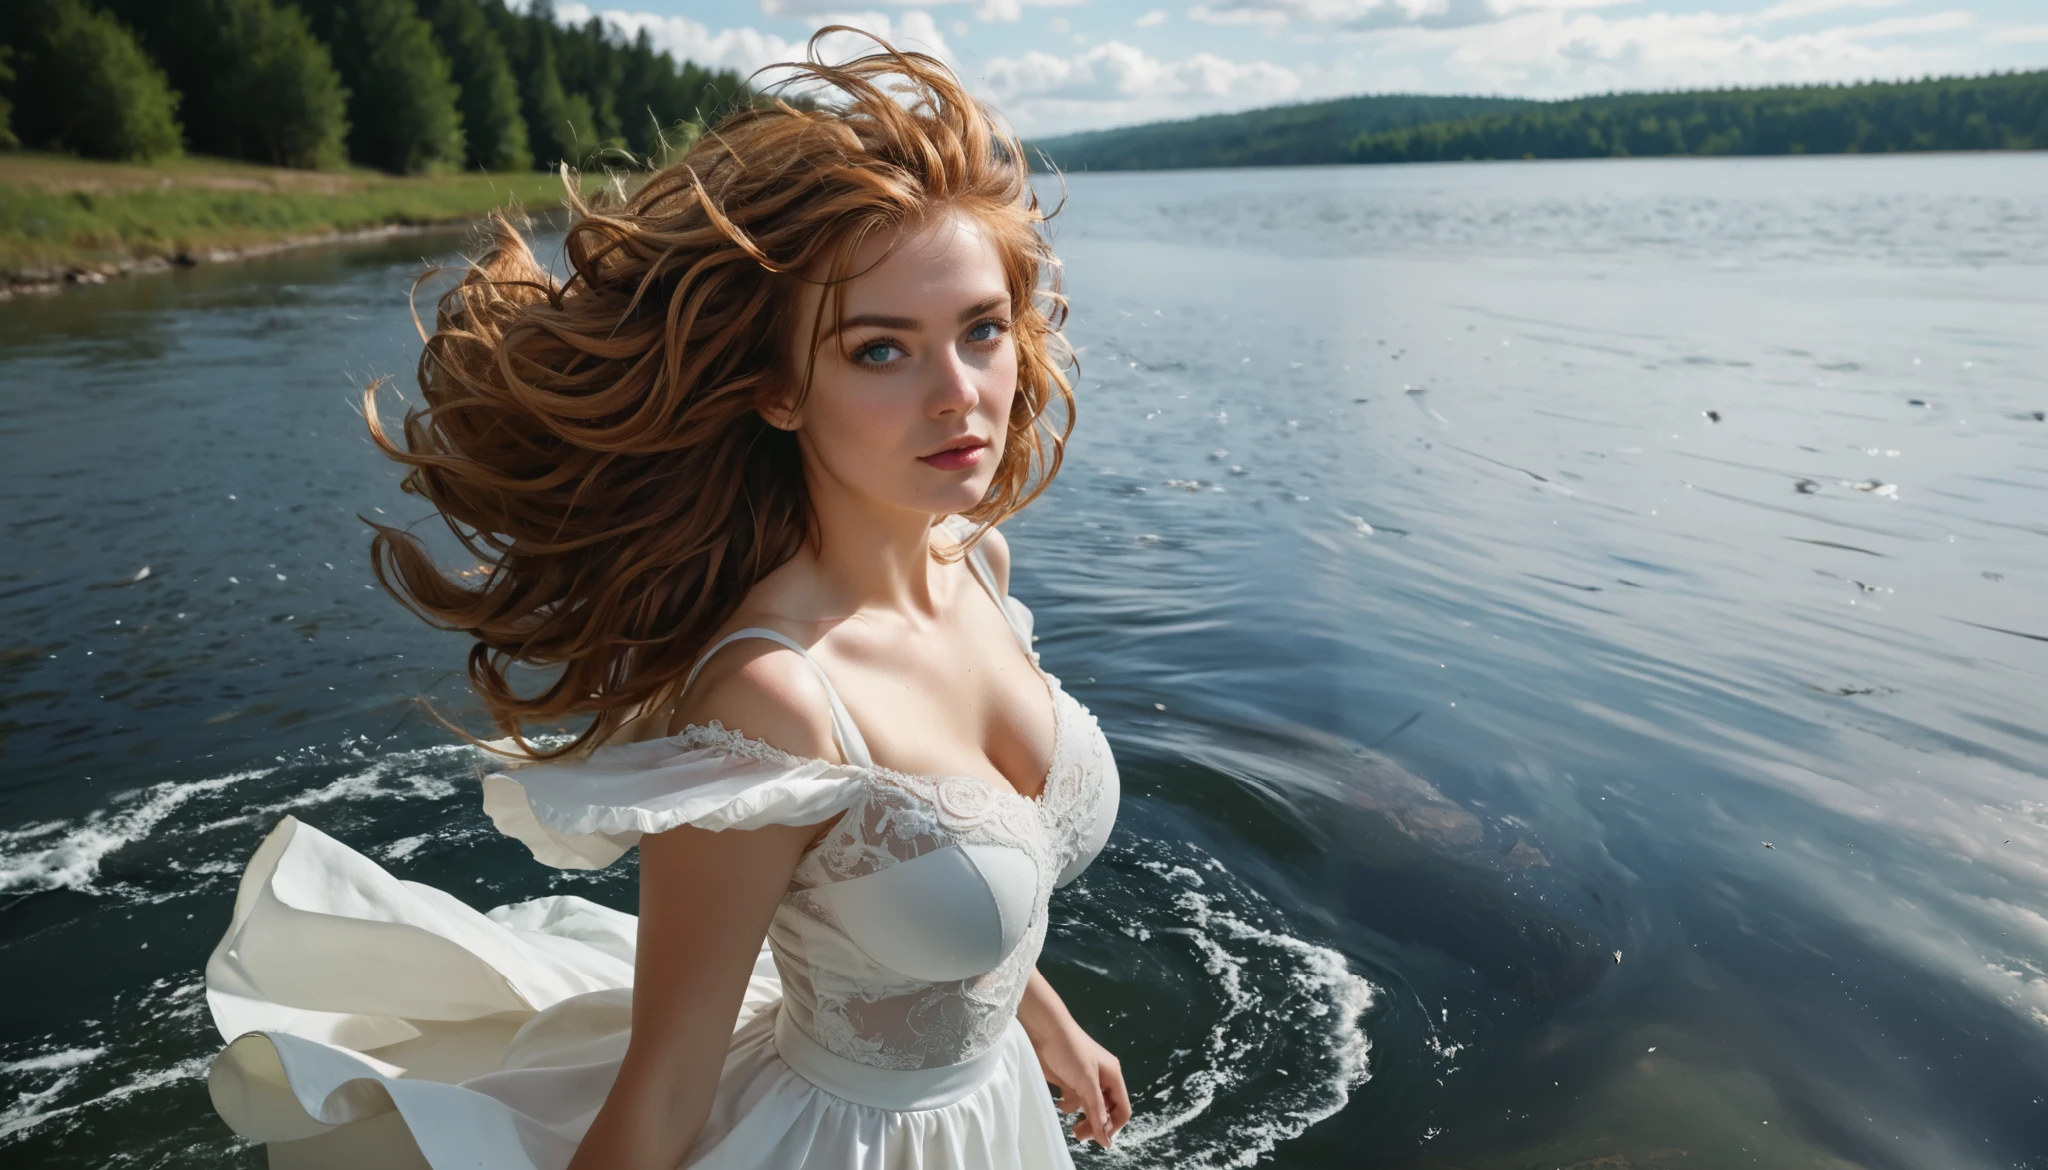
x,y
1510,7
1362,14
747,49
1118,71
744,49
1793,9
1271,11
1115,82
1905,26
988,10
1532,48
1040,92
910,30
1555,54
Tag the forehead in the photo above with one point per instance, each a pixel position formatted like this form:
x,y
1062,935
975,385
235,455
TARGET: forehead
x,y
952,256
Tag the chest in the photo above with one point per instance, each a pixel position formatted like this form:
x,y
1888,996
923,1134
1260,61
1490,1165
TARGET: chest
x,y
971,703
944,877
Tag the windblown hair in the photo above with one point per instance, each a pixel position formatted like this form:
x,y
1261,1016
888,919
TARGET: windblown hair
x,y
594,441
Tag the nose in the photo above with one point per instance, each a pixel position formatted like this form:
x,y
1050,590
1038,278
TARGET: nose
x,y
954,388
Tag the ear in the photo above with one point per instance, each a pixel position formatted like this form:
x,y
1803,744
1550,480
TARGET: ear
x,y
774,404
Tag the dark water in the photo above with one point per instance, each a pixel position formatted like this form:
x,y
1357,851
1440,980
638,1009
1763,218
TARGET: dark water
x,y
1575,637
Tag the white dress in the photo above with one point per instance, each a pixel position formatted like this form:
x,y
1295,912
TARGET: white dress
x,y
378,1023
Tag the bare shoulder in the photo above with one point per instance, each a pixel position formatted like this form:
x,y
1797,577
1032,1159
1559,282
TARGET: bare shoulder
x,y
997,551
765,691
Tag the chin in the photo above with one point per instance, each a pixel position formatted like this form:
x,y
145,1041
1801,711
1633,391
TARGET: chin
x,y
955,503
960,497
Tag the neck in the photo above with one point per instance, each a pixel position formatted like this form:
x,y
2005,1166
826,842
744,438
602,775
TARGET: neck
x,y
870,556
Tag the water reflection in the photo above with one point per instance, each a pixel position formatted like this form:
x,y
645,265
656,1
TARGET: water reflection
x,y
1571,633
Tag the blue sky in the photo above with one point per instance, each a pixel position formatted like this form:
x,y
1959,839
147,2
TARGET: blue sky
x,y
1058,65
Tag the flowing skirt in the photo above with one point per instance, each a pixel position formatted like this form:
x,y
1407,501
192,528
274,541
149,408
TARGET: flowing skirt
x,y
377,1023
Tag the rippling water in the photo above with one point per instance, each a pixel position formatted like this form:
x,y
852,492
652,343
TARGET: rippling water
x,y
1573,634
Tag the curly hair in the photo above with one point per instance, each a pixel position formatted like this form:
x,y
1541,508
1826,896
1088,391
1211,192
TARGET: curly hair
x,y
594,441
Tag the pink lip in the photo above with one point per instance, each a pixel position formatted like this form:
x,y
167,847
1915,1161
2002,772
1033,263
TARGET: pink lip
x,y
954,458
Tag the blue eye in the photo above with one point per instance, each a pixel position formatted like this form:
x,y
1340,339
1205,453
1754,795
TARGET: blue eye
x,y
986,331
879,353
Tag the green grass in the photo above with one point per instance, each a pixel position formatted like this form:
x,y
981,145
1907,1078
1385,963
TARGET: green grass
x,y
59,213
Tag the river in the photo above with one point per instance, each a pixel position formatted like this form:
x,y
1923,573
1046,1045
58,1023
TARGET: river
x,y
1575,637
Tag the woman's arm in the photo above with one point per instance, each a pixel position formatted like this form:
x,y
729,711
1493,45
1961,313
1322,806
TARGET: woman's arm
x,y
1088,1077
706,899
705,902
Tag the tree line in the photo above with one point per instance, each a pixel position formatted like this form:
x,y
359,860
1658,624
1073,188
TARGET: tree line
x,y
1297,135
406,86
1996,112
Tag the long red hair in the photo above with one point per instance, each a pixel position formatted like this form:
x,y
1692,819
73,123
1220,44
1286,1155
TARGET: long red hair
x,y
594,441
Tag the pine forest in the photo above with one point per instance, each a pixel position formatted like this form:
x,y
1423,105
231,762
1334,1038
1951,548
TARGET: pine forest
x,y
403,86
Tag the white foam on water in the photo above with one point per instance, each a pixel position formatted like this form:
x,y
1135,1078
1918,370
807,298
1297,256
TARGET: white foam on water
x,y
59,1080
405,847
31,1104
73,860
93,1072
30,832
1321,1010
53,1061
189,991
53,855
24,1115
393,776
26,1110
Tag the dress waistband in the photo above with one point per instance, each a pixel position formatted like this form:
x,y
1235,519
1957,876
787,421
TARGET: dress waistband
x,y
898,1090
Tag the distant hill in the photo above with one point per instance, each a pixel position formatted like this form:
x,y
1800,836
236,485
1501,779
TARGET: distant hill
x,y
1997,112
1312,132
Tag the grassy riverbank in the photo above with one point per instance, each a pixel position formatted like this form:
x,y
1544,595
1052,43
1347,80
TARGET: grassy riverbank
x,y
61,215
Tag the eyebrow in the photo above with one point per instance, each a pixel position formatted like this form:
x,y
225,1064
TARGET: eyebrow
x,y
912,324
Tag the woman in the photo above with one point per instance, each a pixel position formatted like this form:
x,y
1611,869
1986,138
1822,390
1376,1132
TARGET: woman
x,y
737,479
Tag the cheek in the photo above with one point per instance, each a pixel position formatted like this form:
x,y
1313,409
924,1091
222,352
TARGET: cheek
x,y
888,413
865,413
1001,394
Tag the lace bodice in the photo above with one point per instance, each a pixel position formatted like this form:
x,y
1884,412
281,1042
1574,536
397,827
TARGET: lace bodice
x,y
908,933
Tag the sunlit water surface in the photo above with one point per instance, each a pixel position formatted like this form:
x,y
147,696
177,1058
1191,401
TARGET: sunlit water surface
x,y
1573,635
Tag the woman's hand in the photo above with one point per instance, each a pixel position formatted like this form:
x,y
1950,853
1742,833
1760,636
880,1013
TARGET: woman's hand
x,y
1089,1079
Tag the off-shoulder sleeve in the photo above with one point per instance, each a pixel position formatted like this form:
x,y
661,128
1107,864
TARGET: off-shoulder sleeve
x,y
585,814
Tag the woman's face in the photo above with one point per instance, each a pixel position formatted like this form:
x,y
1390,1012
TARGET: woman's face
x,y
910,394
